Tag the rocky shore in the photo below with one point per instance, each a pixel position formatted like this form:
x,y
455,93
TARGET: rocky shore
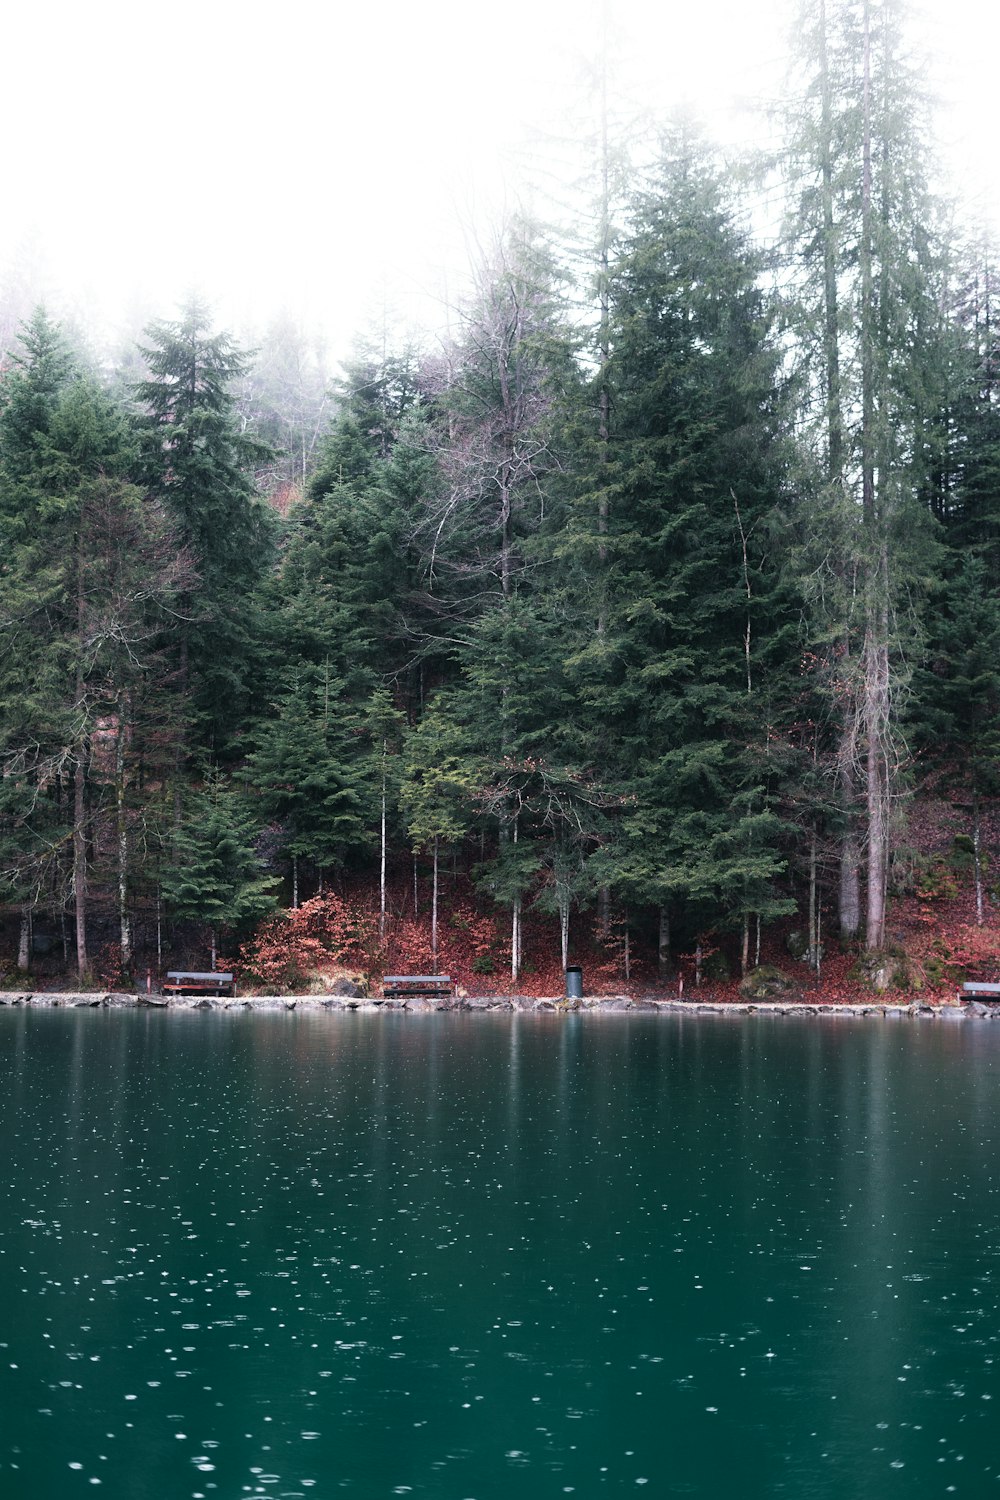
x,y
602,1005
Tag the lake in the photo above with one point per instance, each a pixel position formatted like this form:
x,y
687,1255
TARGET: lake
x,y
465,1257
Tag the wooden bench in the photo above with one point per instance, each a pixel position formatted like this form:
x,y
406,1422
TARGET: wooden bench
x,y
405,986
190,982
977,991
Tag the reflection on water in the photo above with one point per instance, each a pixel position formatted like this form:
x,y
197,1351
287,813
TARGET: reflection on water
x,y
295,1255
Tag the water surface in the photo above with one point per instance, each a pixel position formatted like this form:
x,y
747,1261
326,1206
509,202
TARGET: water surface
x,y
476,1256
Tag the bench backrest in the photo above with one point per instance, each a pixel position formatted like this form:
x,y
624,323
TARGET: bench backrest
x,y
195,977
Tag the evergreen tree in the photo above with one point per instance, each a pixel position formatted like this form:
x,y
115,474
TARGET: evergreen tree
x,y
867,320
436,793
313,776
957,702
91,569
200,463
678,682
217,878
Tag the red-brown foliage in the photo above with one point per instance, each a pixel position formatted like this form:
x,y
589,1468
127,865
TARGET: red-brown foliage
x,y
320,934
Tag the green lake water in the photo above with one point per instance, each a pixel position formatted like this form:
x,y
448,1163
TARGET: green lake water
x,y
473,1257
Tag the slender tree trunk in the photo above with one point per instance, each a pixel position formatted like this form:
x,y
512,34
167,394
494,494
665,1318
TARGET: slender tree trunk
x,y
295,882
819,937
877,772
813,940
564,929
603,912
850,883
664,962
746,585
745,945
80,858
382,849
977,857
182,678
214,947
434,909
515,939
515,920
24,940
121,819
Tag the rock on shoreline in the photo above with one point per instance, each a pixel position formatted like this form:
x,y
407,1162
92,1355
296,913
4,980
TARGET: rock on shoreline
x,y
598,1004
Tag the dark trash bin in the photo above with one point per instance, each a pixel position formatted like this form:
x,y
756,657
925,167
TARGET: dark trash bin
x,y
574,984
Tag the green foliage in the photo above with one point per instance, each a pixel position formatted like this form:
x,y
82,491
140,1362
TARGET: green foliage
x,y
216,877
312,774
196,458
439,781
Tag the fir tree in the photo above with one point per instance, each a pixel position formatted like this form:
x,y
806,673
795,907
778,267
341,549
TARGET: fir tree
x,y
217,879
200,463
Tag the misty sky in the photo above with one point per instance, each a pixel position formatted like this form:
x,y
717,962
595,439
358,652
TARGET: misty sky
x,y
302,157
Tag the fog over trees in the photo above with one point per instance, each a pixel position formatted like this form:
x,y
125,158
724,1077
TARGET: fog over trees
x,y
649,598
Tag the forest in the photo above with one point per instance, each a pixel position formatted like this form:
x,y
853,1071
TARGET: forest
x,y
636,619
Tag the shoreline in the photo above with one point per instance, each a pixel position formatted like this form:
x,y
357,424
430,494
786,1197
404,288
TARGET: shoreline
x,y
511,1004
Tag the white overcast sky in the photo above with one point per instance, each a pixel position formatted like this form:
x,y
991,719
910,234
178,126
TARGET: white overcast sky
x,y
299,157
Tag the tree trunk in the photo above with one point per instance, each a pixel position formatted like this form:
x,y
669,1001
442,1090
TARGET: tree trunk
x,y
603,912
295,882
382,850
819,937
121,819
515,939
24,940
875,650
182,684
564,929
849,901
214,948
745,945
977,858
80,786
813,938
80,859
434,910
664,962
